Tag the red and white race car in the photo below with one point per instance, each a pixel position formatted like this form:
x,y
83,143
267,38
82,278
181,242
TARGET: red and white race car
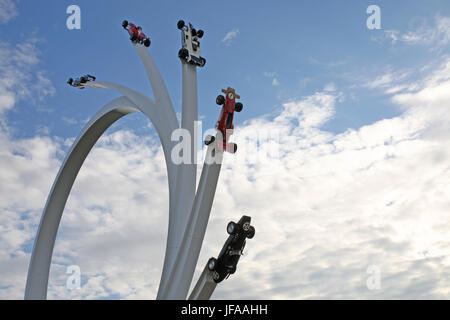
x,y
225,123
136,34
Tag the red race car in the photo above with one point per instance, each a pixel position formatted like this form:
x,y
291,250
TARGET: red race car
x,y
136,34
225,123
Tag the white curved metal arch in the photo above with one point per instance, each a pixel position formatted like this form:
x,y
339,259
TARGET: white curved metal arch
x,y
39,268
163,100
165,124
188,218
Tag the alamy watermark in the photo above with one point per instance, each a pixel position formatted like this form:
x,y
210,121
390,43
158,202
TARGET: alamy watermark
x,y
374,20
74,279
73,21
373,282
253,145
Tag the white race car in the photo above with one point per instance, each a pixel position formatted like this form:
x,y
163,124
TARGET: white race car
x,y
80,81
190,43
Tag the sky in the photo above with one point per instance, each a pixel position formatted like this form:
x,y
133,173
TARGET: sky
x,y
354,206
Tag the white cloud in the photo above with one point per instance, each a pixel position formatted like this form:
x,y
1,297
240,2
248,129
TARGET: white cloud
x,y
331,207
28,165
436,36
8,10
272,75
374,196
228,38
269,74
20,78
389,80
329,64
331,87
70,121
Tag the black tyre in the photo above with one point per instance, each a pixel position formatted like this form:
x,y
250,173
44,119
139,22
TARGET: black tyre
x,y
124,24
180,24
209,140
203,62
70,81
238,107
232,228
234,147
200,33
183,53
220,100
251,232
212,264
147,42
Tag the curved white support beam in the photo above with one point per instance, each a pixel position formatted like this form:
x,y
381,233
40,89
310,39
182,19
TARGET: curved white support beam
x,y
163,100
205,286
158,87
133,101
164,125
156,113
187,172
38,271
186,227
181,276
186,177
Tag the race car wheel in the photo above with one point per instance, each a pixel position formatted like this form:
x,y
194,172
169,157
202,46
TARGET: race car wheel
x,y
70,81
251,232
200,33
124,24
183,53
232,228
212,264
234,147
238,107
180,24
203,62
209,140
147,42
220,100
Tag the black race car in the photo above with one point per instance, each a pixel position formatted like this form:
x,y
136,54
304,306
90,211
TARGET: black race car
x,y
228,258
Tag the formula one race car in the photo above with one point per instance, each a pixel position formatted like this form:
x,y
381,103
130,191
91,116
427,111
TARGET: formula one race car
x,y
79,82
225,123
136,34
228,258
190,43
